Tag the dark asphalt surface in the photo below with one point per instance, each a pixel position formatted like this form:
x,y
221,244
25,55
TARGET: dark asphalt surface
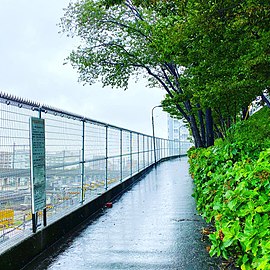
x,y
153,226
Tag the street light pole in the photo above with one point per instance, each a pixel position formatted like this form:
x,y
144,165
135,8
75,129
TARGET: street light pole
x,y
153,128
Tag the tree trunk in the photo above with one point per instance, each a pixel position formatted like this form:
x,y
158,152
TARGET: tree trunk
x,y
209,127
245,113
195,132
202,127
193,125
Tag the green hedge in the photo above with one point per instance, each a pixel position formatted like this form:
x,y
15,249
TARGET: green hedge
x,y
232,181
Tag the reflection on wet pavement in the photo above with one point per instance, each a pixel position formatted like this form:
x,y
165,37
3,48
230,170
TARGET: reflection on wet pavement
x,y
152,226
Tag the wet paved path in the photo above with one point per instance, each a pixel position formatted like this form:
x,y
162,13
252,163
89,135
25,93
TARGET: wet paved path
x,y
152,226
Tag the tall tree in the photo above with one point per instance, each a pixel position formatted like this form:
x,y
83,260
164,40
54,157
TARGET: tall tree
x,y
212,58
124,40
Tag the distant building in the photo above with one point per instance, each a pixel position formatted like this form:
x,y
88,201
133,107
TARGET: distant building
x,y
14,168
5,160
177,130
21,159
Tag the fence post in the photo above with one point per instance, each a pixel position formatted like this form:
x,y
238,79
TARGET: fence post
x,y
156,149
143,152
148,152
163,151
162,148
130,153
152,153
106,158
45,209
82,161
165,148
159,147
164,144
121,155
138,147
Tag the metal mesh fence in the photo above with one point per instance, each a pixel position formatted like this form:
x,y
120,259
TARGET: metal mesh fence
x,y
84,158
15,198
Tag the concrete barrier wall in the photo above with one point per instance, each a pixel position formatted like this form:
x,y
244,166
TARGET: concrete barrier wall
x,y
22,253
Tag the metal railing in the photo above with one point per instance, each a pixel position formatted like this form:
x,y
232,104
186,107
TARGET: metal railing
x,y
84,158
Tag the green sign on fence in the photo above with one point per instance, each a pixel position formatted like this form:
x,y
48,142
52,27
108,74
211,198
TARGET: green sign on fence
x,y
38,169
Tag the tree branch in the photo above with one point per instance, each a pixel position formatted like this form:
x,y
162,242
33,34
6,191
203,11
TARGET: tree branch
x,y
168,80
173,70
133,9
168,91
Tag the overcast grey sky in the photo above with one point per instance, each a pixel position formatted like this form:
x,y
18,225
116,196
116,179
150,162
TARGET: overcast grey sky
x,y
32,56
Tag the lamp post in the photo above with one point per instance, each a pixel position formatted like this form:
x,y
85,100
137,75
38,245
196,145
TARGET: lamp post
x,y
153,128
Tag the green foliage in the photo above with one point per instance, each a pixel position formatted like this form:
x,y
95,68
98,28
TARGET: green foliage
x,y
232,182
204,54
220,43
256,129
